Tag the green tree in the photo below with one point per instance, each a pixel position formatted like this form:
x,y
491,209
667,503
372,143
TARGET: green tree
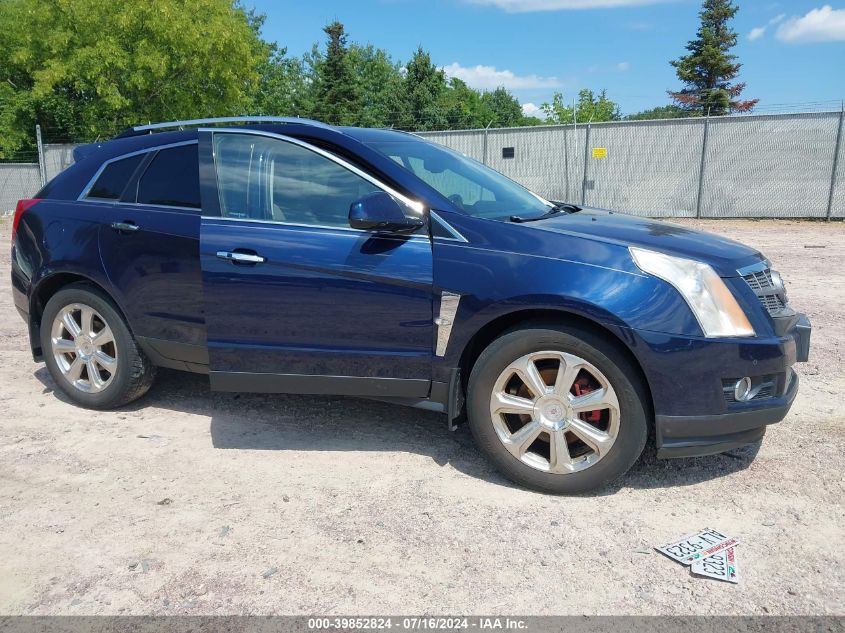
x,y
379,82
423,89
283,86
660,112
463,107
504,108
709,69
335,90
85,69
590,108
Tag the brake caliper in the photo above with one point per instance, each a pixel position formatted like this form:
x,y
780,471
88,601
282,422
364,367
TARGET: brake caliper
x,y
582,387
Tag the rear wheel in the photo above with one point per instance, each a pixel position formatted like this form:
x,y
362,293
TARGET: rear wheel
x,y
557,410
90,351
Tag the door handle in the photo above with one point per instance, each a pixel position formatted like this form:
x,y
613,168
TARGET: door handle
x,y
241,258
127,226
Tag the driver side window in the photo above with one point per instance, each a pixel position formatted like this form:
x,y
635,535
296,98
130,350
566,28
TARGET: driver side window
x,y
263,178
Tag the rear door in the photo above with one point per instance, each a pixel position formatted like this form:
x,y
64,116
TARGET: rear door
x,y
295,299
150,249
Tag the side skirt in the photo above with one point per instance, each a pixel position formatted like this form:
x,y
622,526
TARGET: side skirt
x,y
321,385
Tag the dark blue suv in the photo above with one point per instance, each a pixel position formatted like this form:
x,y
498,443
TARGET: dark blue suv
x,y
289,256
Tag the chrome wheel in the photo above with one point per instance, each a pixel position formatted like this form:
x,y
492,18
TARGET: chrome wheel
x,y
83,347
555,412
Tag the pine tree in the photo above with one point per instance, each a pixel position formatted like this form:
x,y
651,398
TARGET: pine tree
x,y
709,68
336,90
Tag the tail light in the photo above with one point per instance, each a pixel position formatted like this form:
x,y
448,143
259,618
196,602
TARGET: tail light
x,y
23,205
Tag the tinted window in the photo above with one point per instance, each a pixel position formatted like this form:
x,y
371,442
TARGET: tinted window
x,y
113,180
172,179
269,179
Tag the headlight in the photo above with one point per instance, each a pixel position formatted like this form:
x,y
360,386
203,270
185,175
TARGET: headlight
x,y
708,297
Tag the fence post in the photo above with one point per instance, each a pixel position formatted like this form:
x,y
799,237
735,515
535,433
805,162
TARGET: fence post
x,y
484,160
586,163
42,168
702,164
835,161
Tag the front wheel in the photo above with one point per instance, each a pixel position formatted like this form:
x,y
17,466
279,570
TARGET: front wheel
x,y
90,351
557,410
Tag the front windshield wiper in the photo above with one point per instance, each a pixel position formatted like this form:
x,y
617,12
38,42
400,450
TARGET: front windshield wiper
x,y
569,208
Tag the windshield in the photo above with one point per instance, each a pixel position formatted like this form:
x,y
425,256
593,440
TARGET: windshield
x,y
469,185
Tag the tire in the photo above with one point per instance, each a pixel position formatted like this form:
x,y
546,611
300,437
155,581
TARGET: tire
x,y
622,417
114,384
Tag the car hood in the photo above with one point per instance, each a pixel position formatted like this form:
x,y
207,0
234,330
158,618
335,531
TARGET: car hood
x,y
723,254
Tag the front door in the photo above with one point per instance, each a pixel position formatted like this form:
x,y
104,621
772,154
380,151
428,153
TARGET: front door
x,y
296,300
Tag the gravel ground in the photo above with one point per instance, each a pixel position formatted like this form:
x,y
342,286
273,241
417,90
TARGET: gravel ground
x,y
189,502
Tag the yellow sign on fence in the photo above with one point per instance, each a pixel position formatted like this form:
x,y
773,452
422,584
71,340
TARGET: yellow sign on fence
x,y
599,152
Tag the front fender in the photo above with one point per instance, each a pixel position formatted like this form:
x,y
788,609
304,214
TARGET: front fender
x,y
494,283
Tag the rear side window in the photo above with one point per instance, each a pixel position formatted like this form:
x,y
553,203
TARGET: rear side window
x,y
172,178
114,178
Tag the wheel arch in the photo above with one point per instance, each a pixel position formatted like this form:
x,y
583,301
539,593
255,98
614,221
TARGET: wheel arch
x,y
521,318
44,291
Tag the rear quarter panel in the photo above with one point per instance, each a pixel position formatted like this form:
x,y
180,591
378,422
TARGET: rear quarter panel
x,y
57,236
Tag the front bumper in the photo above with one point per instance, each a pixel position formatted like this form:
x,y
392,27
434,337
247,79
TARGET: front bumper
x,y
689,378
695,435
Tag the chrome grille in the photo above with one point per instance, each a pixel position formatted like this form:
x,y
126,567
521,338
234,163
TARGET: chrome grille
x,y
772,303
772,296
760,280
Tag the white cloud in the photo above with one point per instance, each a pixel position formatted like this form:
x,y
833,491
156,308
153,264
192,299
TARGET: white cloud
x,y
524,6
532,109
623,66
759,31
819,25
756,33
490,78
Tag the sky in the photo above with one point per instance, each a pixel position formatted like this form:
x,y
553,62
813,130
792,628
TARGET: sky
x,y
792,51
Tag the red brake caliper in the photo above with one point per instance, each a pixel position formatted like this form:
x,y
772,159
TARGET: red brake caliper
x,y
582,387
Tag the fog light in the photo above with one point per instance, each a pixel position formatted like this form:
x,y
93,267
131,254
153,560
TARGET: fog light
x,y
742,390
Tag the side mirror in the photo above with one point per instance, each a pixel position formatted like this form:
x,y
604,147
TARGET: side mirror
x,y
379,212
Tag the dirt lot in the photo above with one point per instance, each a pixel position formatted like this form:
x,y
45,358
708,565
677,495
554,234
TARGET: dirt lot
x,y
189,502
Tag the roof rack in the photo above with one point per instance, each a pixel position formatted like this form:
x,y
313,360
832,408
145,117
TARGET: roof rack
x,y
152,127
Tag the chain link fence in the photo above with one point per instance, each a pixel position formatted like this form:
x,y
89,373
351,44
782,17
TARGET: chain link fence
x,y
17,180
57,157
774,165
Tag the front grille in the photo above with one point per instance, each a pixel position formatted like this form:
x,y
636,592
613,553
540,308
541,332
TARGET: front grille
x,y
772,303
760,280
772,297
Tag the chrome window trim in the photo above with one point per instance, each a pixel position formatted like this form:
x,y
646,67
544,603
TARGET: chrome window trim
x,y
414,205
456,236
163,207
84,194
321,227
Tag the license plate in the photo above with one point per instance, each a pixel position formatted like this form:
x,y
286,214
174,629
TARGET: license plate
x,y
696,546
721,566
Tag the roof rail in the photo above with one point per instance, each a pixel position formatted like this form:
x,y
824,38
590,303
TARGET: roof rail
x,y
152,127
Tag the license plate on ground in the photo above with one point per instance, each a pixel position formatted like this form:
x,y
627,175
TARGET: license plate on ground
x,y
696,546
721,566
